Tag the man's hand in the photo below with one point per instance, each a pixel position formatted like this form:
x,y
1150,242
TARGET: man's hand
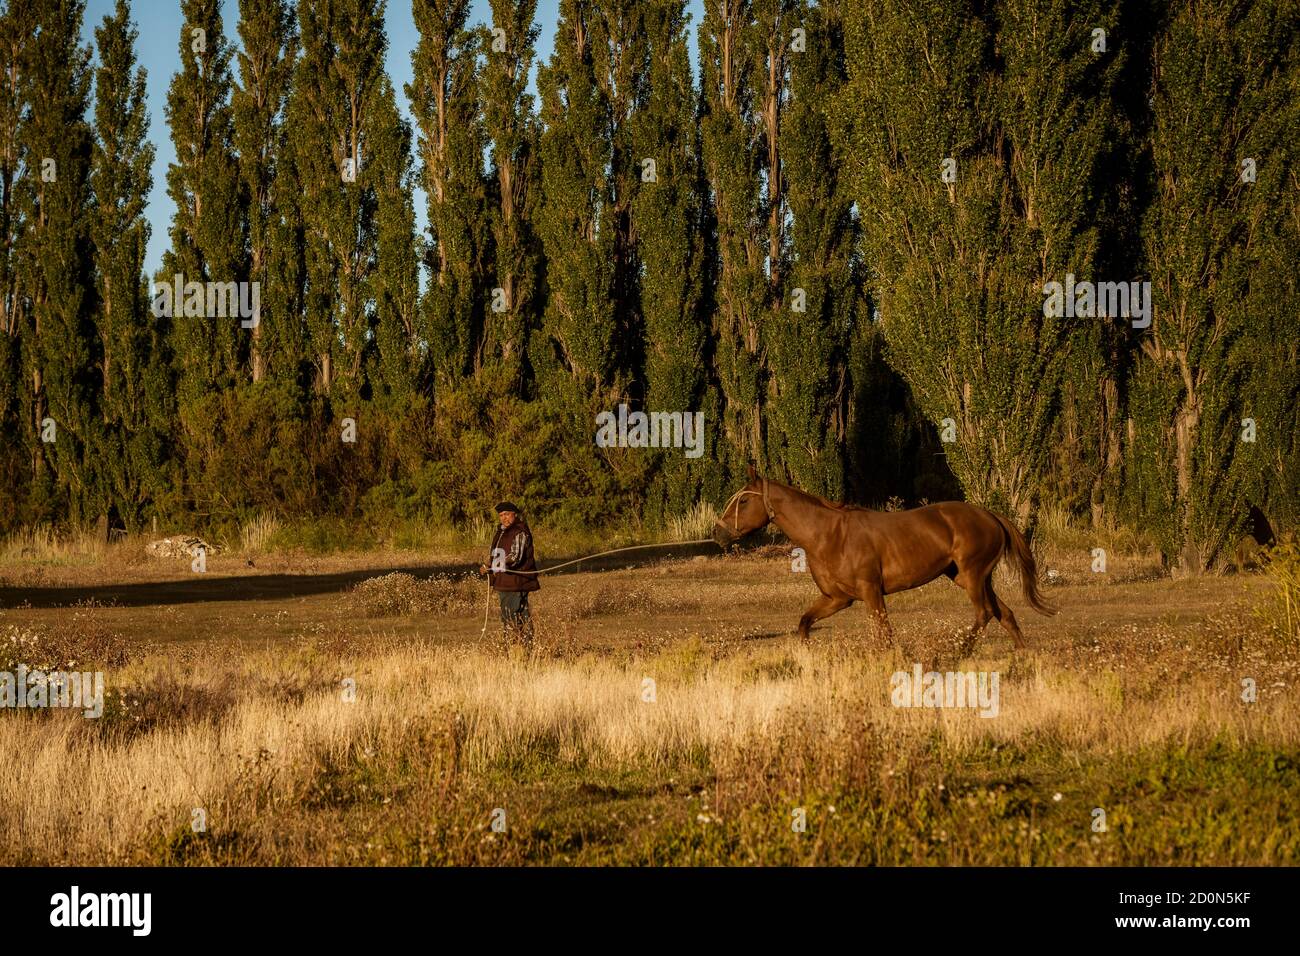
x,y
482,569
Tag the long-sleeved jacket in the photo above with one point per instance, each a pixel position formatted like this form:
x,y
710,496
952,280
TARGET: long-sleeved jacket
x,y
517,543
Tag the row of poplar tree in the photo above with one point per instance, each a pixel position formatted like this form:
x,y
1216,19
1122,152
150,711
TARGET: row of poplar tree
x,y
833,242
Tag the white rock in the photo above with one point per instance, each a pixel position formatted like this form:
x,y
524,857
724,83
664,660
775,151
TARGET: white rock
x,y
182,546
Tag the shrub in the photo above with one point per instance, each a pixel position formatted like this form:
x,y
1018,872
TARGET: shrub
x,y
399,593
1282,565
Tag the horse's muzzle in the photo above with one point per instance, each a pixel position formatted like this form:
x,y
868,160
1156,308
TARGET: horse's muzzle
x,y
723,536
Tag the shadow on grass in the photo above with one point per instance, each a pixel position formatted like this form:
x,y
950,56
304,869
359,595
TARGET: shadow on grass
x,y
273,587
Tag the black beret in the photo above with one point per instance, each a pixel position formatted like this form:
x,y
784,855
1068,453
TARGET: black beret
x,y
506,506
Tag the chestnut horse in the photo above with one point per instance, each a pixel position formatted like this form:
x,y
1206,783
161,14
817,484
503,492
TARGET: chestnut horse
x,y
856,554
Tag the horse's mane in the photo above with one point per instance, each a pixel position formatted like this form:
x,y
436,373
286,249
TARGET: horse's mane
x,y
841,505
827,503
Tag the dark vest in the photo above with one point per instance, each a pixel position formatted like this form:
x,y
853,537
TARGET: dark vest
x,y
507,540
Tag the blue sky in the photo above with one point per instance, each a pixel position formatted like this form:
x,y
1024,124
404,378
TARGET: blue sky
x,y
158,49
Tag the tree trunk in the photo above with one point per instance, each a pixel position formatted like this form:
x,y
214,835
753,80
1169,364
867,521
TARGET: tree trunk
x,y
1190,559
1108,450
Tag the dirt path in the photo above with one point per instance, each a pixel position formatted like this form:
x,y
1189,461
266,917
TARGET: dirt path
x,y
751,597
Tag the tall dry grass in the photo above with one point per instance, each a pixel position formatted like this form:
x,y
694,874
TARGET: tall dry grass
x,y
696,524
1282,566
257,534
287,770
45,544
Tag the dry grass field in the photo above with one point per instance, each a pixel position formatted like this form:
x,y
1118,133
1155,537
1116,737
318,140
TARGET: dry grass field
x,y
666,715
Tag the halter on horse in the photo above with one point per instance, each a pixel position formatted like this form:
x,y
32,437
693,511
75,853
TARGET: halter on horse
x,y
735,499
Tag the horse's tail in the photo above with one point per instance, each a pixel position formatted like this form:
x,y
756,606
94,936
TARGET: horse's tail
x,y
1019,547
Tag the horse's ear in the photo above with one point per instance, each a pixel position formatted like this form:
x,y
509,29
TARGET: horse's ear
x,y
753,475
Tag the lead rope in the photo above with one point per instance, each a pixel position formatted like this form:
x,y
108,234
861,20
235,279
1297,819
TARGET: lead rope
x,y
487,607
487,604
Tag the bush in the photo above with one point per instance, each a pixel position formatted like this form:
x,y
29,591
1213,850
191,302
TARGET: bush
x,y
83,643
399,594
1282,565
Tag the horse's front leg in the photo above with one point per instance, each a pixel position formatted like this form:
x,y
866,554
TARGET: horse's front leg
x,y
824,606
873,596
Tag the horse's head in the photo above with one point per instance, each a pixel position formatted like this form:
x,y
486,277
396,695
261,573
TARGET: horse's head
x,y
749,509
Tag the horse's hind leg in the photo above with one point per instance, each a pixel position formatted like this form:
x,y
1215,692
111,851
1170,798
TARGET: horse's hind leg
x,y
1004,617
824,606
980,591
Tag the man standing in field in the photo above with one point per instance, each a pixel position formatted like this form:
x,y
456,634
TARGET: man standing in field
x,y
512,557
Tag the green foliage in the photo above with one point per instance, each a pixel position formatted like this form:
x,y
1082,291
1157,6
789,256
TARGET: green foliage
x,y
351,151
959,262
667,217
579,359
135,402
58,348
513,129
730,91
18,433
266,59
444,100
207,233
1220,350
563,275
808,340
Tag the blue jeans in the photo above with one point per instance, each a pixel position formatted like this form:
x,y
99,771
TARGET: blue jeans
x,y
515,615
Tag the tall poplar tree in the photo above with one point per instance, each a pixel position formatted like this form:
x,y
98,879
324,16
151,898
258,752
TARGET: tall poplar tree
x,y
734,163
1220,243
512,129
402,332
444,101
668,229
208,242
17,434
579,355
59,348
977,180
135,399
268,48
808,335
348,145
1070,92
